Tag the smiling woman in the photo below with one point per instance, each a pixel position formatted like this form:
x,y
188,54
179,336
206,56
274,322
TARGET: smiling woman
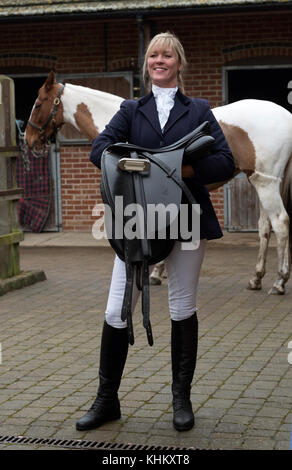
x,y
155,121
165,62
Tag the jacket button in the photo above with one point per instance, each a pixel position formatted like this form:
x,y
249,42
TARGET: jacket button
x,y
161,143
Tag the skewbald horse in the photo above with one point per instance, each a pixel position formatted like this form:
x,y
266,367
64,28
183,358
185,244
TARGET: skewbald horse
x,y
259,134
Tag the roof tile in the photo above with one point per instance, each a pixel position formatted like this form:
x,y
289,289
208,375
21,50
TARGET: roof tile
x,y
16,8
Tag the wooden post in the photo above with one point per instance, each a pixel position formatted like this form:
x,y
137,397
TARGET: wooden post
x,y
10,234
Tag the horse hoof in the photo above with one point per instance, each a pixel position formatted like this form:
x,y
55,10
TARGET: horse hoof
x,y
276,291
254,285
155,281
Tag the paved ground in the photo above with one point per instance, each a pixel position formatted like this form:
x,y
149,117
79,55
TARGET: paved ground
x,y
50,335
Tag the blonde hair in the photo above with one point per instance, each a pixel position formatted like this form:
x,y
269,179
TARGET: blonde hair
x,y
165,41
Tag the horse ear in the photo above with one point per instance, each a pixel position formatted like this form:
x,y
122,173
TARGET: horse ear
x,y
50,81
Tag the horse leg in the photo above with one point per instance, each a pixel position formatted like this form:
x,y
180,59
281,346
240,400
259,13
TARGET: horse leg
x,y
280,224
264,225
157,274
268,189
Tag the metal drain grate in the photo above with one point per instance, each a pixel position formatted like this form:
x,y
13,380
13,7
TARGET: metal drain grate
x,y
82,444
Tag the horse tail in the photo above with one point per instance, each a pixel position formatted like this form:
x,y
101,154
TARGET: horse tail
x,y
286,193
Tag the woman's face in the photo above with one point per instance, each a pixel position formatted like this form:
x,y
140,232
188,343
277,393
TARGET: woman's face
x,y
163,67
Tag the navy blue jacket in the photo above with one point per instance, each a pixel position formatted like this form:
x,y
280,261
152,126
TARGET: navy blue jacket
x,y
137,122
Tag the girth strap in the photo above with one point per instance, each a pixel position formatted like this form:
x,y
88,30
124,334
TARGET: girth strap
x,y
141,200
130,268
126,314
146,302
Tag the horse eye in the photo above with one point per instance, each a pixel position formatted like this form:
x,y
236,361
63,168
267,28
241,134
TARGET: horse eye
x,y
38,105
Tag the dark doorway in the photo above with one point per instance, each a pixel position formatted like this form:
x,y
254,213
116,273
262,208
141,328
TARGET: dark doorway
x,y
26,91
261,83
37,209
264,84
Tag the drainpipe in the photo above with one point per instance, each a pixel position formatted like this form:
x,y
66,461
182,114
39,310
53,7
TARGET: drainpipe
x,y
141,52
105,47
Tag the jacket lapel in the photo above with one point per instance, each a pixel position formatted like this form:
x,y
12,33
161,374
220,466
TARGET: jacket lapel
x,y
149,110
147,106
180,108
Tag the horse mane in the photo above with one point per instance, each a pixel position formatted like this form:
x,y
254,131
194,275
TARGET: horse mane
x,y
96,93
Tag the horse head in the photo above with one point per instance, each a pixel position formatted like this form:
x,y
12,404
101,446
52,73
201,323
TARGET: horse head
x,y
46,116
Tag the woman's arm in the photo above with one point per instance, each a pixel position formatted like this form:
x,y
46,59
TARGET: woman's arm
x,y
219,164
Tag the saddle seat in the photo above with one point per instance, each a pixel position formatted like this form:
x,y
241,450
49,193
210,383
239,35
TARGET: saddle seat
x,y
142,180
192,142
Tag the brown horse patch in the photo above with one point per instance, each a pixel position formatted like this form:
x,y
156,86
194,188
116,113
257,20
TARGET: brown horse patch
x,y
84,121
241,146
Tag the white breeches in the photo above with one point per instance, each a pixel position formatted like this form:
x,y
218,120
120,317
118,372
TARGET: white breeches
x,y
183,270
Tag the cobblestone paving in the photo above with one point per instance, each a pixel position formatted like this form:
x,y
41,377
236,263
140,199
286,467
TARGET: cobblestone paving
x,y
50,334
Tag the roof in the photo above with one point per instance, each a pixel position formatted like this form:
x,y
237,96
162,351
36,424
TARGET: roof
x,y
29,8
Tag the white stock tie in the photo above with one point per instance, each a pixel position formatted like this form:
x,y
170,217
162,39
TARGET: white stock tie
x,y
164,98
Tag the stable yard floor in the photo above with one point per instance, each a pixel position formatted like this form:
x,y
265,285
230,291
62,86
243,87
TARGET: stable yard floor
x,y
50,337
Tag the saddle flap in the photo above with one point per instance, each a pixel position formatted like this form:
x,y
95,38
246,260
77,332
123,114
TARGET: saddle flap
x,y
162,194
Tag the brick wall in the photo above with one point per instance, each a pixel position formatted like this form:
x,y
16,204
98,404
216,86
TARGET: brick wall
x,y
80,188
210,42
68,47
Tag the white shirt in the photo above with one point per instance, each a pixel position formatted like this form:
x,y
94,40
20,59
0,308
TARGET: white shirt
x,y
164,98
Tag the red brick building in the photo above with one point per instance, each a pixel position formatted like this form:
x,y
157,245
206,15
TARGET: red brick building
x,y
235,49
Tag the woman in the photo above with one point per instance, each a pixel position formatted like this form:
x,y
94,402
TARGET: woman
x,y
162,117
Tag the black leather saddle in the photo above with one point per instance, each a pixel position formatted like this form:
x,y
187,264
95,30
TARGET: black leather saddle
x,y
144,178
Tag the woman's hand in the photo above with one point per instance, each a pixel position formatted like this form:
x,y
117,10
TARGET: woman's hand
x,y
187,171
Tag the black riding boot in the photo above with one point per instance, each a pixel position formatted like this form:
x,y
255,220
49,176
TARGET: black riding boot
x,y
113,354
184,345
